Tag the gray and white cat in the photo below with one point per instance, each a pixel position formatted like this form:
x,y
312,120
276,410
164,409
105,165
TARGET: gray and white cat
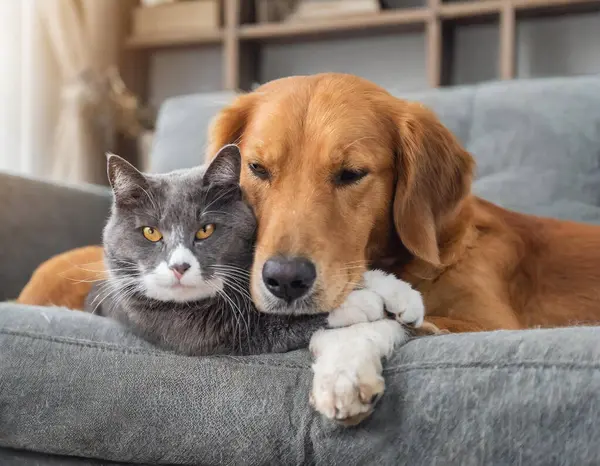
x,y
178,248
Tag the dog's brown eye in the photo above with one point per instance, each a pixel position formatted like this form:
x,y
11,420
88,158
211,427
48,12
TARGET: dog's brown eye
x,y
346,176
259,171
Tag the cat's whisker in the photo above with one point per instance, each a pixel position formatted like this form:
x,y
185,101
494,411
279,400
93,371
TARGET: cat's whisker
x,y
236,286
105,286
128,294
78,267
236,310
241,313
101,298
76,281
87,263
234,273
225,267
105,289
228,266
232,269
102,273
121,294
239,279
114,287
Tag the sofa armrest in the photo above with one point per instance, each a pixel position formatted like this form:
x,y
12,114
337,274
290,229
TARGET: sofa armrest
x,y
39,219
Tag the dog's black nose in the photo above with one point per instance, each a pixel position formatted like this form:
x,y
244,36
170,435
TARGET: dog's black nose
x,y
288,278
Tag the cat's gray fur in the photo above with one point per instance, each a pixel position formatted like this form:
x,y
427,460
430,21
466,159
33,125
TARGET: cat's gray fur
x,y
178,204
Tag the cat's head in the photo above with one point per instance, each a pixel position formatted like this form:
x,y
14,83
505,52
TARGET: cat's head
x,y
178,236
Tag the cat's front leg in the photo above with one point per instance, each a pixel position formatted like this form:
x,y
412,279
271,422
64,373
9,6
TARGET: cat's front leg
x,y
347,366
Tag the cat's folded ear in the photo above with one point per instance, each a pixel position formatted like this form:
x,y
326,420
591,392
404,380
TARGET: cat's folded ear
x,y
225,167
127,182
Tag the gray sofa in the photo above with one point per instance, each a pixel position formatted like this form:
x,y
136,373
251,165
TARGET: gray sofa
x,y
79,389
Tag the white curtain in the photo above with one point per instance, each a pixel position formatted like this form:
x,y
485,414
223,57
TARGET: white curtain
x,y
29,83
84,35
57,113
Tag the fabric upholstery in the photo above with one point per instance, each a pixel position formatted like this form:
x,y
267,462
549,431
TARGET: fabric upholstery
x,y
181,134
41,219
77,384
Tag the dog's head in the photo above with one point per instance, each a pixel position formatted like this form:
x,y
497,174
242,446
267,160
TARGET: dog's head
x,y
335,167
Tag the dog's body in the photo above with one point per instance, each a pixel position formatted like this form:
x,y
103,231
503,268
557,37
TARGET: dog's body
x,y
514,271
345,176
479,267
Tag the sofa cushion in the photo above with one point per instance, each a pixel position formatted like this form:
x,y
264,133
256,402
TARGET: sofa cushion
x,y
536,142
80,385
181,134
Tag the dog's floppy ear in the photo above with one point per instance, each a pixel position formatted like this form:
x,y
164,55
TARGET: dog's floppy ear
x,y
434,174
228,126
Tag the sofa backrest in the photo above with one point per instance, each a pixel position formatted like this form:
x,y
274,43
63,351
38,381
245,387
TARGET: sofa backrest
x,y
181,130
536,142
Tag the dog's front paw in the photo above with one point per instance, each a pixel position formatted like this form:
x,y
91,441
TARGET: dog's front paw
x,y
360,306
347,370
347,395
399,297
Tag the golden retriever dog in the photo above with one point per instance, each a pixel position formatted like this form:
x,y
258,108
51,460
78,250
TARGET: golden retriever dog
x,y
344,177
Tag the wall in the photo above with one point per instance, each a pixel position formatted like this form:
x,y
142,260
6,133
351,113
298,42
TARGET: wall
x,y
546,47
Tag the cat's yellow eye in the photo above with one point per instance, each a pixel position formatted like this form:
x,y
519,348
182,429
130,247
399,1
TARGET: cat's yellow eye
x,y
205,231
152,234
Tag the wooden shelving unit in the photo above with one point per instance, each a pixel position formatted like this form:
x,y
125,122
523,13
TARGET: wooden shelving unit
x,y
386,20
432,18
181,38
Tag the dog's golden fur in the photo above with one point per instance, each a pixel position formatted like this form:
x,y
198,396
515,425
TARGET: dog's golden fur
x,y
479,267
65,279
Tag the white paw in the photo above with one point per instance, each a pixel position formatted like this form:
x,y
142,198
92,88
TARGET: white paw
x,y
398,296
347,370
349,394
360,306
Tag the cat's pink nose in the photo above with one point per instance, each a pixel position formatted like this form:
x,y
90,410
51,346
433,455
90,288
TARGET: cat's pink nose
x,y
179,269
